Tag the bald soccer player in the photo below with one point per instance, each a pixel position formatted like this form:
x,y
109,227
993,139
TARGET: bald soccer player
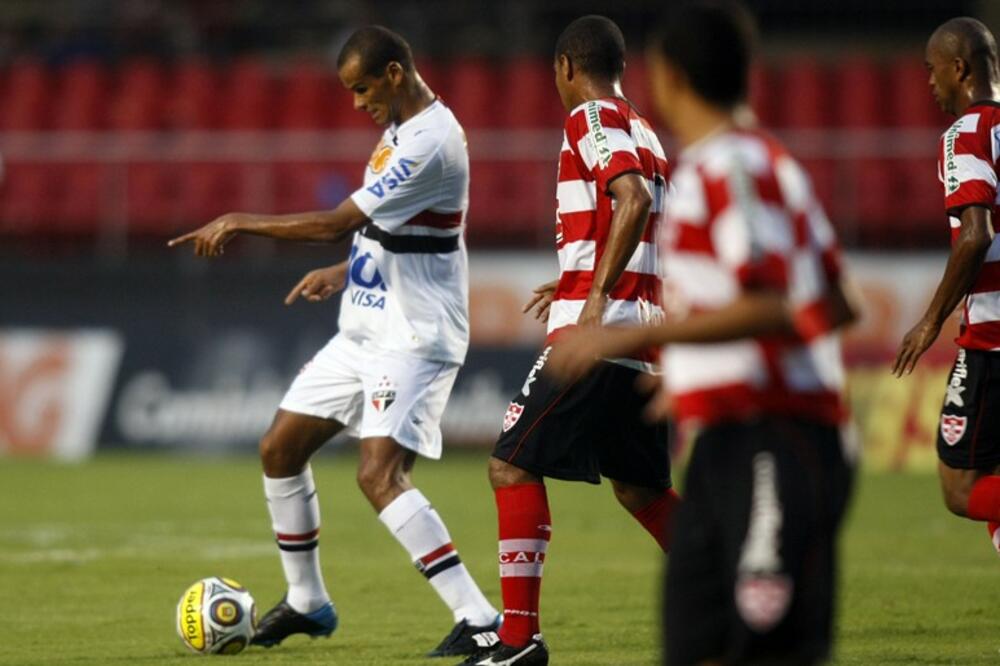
x,y
961,59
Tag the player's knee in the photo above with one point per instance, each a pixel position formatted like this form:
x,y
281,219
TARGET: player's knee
x,y
277,458
504,474
956,499
374,479
634,498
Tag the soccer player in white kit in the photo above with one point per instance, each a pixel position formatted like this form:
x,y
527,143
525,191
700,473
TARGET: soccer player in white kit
x,y
403,334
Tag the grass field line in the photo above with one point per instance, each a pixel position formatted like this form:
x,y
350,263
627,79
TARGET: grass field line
x,y
139,547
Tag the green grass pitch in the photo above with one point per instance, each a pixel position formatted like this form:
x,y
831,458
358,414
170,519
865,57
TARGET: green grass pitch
x,y
93,558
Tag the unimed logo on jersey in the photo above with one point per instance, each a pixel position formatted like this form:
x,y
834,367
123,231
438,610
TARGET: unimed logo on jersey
x,y
364,275
598,139
398,173
950,167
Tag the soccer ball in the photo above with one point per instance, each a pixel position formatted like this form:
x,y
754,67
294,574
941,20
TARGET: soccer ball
x,y
216,616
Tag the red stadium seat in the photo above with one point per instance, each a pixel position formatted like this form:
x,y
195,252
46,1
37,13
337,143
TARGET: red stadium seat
x,y
635,85
27,197
765,94
919,206
81,99
152,198
908,95
139,100
859,94
84,200
807,98
874,193
307,101
471,93
205,191
529,98
249,97
27,103
303,186
193,101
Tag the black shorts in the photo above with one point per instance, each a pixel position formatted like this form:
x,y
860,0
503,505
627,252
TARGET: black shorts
x,y
751,576
589,429
969,429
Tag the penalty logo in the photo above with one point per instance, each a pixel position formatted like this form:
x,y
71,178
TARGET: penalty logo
x,y
512,415
384,395
952,428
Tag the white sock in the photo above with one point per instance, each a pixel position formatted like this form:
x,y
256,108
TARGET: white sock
x,y
295,520
419,528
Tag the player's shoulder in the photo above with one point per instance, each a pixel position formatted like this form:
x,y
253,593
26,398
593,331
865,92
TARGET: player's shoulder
x,y
434,126
978,120
595,115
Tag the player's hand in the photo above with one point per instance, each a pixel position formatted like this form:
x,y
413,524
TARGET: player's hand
x,y
541,300
211,239
915,343
592,313
320,284
575,353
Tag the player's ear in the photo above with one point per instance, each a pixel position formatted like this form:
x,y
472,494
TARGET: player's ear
x,y
564,66
962,69
395,73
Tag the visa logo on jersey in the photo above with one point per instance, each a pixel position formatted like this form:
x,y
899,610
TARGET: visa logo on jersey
x,y
398,174
364,274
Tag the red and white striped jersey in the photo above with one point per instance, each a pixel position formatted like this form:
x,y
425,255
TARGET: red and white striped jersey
x,y
970,150
742,216
603,139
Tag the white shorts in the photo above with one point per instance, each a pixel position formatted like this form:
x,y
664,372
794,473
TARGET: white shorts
x,y
375,395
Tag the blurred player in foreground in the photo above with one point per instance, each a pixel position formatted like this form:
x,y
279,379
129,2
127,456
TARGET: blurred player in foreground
x,y
752,362
965,80
403,333
612,181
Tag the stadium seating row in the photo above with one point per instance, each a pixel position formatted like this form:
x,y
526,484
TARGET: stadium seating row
x,y
304,94
873,201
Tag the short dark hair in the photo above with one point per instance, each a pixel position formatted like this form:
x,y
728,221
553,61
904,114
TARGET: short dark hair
x,y
594,44
377,46
712,42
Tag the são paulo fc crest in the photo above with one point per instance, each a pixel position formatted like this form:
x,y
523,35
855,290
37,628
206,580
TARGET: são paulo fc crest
x,y
952,428
513,413
384,395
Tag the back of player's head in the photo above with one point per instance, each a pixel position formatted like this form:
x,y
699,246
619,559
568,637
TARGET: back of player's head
x,y
595,45
971,40
376,47
712,43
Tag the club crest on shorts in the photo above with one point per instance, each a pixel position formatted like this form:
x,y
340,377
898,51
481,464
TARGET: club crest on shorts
x,y
384,395
512,415
952,428
763,599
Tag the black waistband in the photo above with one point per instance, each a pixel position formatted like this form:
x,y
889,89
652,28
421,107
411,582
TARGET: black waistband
x,y
410,244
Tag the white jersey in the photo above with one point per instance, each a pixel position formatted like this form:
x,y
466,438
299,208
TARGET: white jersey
x,y
407,288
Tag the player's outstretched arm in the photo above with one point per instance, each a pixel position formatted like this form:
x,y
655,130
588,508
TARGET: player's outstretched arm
x,y
632,204
966,258
320,284
321,226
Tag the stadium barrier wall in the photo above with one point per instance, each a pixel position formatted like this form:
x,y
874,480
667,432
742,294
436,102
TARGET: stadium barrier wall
x,y
147,357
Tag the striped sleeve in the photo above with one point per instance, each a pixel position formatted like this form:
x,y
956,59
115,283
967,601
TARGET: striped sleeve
x,y
602,137
967,163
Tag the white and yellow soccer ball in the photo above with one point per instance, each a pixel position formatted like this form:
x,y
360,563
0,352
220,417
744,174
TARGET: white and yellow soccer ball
x,y
216,616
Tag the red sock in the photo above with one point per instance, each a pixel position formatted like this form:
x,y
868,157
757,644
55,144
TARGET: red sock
x,y
992,528
984,499
524,536
657,516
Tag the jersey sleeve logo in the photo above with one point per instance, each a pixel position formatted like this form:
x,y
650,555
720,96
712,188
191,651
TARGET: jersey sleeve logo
x,y
596,136
399,173
951,182
380,158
